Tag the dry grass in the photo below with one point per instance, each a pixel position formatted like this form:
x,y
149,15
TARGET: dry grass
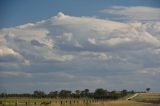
x,y
80,102
106,103
148,98
124,103
110,103
150,94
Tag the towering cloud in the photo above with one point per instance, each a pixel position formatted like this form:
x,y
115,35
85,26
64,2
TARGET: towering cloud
x,y
70,52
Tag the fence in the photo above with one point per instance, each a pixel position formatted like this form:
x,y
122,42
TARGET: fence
x,y
58,102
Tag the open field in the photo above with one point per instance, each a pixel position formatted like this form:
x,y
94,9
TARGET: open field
x,y
45,101
70,102
148,98
141,99
125,103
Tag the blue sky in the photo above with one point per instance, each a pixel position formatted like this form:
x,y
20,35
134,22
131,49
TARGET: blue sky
x,y
77,44
23,11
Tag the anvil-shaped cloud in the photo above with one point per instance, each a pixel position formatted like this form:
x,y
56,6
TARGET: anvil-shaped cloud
x,y
80,52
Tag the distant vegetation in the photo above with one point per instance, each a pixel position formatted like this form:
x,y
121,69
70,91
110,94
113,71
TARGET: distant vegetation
x,y
99,93
99,97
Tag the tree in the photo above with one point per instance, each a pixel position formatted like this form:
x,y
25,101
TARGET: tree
x,y
148,89
100,93
84,93
53,94
39,94
77,93
124,92
65,93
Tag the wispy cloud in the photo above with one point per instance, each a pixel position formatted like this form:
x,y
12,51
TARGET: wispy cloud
x,y
136,13
15,74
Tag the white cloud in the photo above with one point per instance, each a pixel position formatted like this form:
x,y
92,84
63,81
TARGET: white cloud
x,y
15,74
7,51
62,75
8,55
95,55
92,40
72,51
68,36
116,41
135,12
32,43
150,71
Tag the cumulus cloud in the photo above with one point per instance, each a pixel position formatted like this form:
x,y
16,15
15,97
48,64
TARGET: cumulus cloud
x,y
9,55
32,43
136,13
84,52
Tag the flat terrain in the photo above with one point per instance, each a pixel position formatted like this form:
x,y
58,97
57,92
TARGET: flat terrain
x,y
139,99
148,98
125,103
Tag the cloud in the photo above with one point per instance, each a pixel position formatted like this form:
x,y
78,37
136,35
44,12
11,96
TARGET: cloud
x,y
36,43
136,13
150,71
80,52
15,74
95,55
9,55
32,43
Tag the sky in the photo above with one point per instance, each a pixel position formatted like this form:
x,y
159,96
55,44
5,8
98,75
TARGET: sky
x,y
77,44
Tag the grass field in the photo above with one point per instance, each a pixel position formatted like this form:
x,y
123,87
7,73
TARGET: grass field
x,y
100,103
143,99
125,103
148,98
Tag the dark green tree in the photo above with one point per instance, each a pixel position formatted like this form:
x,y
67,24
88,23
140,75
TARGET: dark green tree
x,y
100,93
65,93
86,92
148,89
124,92
39,94
53,94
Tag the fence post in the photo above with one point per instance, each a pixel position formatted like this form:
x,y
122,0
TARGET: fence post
x,y
26,103
16,103
87,102
61,102
1,103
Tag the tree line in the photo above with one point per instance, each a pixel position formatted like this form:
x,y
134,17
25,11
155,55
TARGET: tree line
x,y
99,93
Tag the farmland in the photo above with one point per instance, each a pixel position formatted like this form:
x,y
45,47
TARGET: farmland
x,y
137,99
148,98
142,99
72,102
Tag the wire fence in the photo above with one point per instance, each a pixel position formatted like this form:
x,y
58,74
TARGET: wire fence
x,y
68,102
